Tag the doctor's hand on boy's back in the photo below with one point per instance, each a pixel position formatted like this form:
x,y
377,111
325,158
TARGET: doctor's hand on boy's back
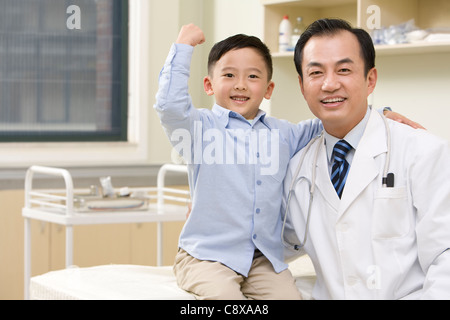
x,y
402,119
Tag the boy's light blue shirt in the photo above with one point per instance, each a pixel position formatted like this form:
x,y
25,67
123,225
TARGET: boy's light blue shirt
x,y
236,170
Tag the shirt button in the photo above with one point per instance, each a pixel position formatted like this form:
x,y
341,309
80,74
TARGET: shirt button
x,y
257,154
258,210
254,237
259,182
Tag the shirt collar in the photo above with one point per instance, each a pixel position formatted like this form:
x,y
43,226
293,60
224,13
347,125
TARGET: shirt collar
x,y
224,115
353,137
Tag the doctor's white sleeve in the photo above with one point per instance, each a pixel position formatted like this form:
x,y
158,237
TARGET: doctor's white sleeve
x,y
431,191
437,285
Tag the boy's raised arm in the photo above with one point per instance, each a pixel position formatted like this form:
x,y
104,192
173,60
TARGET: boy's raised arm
x,y
173,102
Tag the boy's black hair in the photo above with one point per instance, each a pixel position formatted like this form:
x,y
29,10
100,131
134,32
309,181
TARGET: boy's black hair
x,y
240,41
328,27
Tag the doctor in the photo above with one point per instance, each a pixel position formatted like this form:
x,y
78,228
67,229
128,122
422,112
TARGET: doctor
x,y
367,241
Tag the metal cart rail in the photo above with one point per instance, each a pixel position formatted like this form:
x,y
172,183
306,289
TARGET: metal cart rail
x,y
57,206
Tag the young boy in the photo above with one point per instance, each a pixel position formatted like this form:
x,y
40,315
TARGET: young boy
x,y
230,246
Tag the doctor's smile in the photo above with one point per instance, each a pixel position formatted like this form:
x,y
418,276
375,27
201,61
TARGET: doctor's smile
x,y
333,101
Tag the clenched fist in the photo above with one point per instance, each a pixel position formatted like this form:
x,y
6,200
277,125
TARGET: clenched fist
x,y
191,34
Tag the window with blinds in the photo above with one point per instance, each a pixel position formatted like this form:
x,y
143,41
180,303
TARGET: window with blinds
x,y
63,70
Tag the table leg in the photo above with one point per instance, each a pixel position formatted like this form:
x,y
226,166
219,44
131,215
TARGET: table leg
x,y
27,258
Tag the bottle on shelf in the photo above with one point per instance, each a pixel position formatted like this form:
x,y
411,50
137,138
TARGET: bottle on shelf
x,y
297,32
285,34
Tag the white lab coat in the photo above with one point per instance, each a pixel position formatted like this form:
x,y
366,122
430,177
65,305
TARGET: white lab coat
x,y
378,243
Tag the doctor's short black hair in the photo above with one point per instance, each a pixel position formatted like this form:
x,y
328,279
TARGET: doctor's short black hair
x,y
330,27
240,41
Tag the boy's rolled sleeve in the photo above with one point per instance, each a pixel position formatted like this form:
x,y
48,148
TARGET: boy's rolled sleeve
x,y
173,102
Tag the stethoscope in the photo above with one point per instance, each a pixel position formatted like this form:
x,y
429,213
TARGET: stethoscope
x,y
387,181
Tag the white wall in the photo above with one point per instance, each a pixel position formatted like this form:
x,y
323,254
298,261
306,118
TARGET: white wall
x,y
166,18
417,86
237,16
222,19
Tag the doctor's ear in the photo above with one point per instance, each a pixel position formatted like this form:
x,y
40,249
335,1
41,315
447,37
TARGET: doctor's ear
x,y
207,85
300,81
372,78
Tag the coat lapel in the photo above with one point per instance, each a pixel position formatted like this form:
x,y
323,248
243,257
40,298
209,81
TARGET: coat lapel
x,y
364,168
363,171
323,181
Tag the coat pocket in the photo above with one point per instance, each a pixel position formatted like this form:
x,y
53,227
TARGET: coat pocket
x,y
391,215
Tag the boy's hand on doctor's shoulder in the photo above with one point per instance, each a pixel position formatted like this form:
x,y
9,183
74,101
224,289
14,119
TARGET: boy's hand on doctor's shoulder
x,y
191,34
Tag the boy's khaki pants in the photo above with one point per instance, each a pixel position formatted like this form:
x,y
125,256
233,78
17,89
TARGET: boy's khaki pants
x,y
209,280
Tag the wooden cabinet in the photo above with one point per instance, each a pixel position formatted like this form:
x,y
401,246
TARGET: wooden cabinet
x,y
134,243
11,245
426,14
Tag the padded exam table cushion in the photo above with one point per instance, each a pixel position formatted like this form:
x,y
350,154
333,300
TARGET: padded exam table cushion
x,y
133,282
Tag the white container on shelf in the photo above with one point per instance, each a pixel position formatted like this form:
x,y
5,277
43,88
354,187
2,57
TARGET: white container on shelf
x,y
285,34
297,32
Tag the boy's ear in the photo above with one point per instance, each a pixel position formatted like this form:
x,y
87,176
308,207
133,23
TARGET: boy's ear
x,y
269,90
207,85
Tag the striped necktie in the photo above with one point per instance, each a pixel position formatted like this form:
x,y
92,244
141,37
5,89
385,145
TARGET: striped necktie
x,y
340,168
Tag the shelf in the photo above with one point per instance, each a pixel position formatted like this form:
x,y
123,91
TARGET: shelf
x,y
289,54
154,214
429,14
412,48
399,49
309,3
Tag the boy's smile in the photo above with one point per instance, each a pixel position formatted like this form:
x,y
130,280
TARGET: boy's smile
x,y
240,99
239,82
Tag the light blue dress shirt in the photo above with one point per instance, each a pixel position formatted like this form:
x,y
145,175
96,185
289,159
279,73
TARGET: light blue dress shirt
x,y
236,170
353,138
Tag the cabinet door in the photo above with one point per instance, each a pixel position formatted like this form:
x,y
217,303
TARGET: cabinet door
x,y
92,245
144,243
12,245
144,239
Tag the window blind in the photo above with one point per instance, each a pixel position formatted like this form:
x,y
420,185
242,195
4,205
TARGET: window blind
x,y
63,70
